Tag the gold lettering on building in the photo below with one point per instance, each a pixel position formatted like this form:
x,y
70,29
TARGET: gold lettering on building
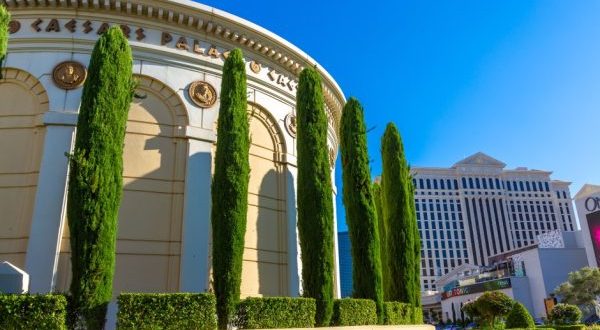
x,y
71,26
165,38
14,27
36,25
182,44
87,27
126,30
140,34
103,28
212,51
197,48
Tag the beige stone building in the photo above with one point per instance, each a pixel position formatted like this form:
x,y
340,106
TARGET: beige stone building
x,y
179,48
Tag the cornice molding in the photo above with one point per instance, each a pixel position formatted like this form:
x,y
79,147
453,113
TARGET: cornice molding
x,y
204,20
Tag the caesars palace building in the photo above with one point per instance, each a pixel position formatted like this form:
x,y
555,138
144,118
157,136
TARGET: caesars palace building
x,y
179,48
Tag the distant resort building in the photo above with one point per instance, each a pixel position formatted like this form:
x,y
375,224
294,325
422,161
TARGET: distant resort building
x,y
164,230
477,209
529,275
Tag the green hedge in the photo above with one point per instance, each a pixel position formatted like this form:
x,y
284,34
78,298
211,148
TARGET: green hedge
x,y
276,312
350,311
166,311
32,311
569,327
396,313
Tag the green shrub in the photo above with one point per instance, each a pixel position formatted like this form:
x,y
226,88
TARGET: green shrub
x,y
564,314
32,311
519,317
350,311
396,313
361,215
403,242
96,177
230,187
569,327
276,312
166,311
4,20
314,195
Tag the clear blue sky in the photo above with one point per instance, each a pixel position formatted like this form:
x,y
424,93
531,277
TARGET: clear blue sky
x,y
516,79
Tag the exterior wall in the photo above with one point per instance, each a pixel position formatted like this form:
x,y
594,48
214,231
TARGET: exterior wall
x,y
533,268
476,209
164,221
522,292
24,101
556,264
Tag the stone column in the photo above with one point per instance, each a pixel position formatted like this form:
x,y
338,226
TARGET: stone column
x,y
49,210
294,259
195,249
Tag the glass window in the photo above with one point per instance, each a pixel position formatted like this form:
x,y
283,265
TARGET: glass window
x,y
521,186
420,183
484,181
442,184
428,184
464,183
477,183
435,185
470,183
527,185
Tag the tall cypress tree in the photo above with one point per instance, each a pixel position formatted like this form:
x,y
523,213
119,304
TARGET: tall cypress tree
x,y
315,195
400,219
230,187
361,215
377,201
4,20
95,179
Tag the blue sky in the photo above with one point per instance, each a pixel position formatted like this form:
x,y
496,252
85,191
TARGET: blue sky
x,y
516,79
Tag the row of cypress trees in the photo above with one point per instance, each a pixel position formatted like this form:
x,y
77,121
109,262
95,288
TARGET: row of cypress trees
x,y
381,218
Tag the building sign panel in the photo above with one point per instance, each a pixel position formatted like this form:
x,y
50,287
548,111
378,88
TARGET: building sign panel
x,y
499,284
593,220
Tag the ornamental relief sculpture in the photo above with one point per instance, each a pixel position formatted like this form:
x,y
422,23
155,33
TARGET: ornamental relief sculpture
x,y
69,75
290,124
202,94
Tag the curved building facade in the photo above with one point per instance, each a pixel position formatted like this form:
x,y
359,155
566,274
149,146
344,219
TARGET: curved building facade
x,y
179,48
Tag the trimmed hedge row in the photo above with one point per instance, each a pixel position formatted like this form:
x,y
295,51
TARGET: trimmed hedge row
x,y
276,312
167,311
347,312
396,313
569,327
554,327
33,311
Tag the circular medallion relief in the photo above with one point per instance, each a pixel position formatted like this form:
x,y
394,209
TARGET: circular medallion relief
x,y
290,124
202,94
69,75
14,27
255,66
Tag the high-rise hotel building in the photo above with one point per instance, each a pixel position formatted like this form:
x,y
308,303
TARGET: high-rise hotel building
x,y
476,209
